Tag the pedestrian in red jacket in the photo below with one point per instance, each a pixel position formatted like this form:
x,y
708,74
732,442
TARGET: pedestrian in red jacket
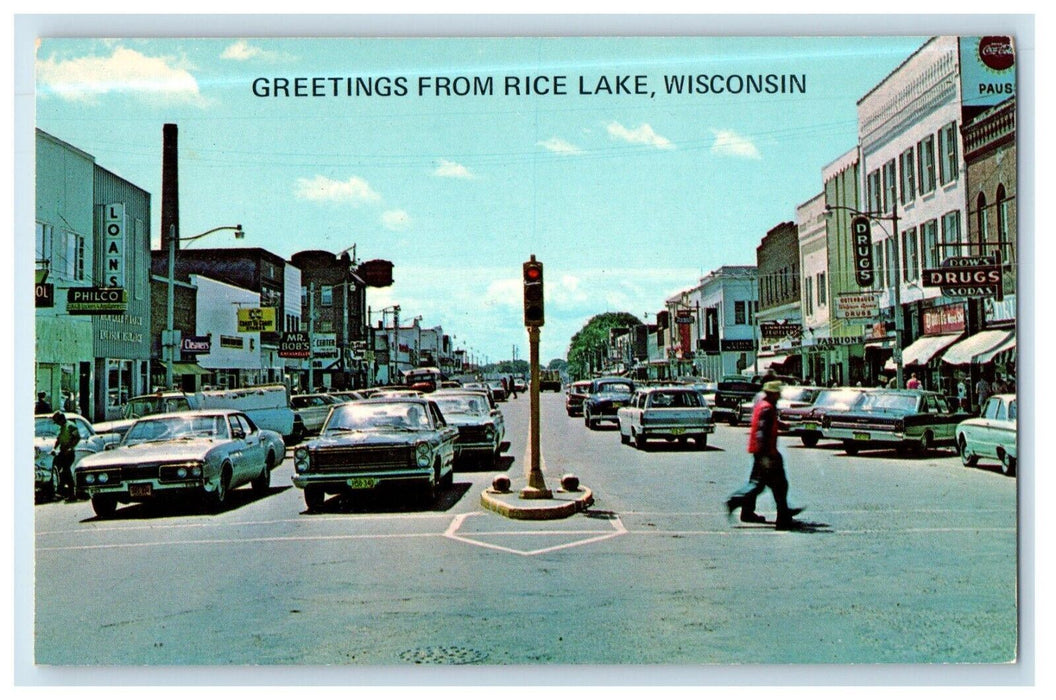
x,y
768,469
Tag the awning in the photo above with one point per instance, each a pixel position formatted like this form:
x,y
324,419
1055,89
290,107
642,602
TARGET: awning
x,y
1006,347
971,349
763,363
923,349
182,368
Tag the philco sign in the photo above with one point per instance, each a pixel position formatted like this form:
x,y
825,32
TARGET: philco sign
x,y
863,251
256,320
96,300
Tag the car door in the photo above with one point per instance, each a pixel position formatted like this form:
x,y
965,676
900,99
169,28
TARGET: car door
x,y
989,428
447,436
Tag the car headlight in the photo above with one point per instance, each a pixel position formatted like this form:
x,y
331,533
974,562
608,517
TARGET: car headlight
x,y
489,432
103,478
423,455
300,460
89,478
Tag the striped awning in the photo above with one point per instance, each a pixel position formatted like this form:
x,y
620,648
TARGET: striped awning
x,y
923,349
981,345
1009,346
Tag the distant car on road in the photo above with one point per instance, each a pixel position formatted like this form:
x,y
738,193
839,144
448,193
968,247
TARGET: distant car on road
x,y
481,427
991,435
204,454
605,397
575,395
404,442
313,409
671,413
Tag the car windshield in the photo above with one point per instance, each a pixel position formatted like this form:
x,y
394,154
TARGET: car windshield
x,y
45,428
462,405
153,405
798,393
176,428
838,398
884,401
401,415
615,388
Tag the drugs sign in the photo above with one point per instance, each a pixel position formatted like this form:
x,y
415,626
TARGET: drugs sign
x,y
966,276
863,251
864,306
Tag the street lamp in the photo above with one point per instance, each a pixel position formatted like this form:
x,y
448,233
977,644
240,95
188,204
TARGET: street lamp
x,y
170,344
896,298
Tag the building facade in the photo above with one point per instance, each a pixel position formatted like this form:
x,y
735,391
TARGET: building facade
x,y
780,317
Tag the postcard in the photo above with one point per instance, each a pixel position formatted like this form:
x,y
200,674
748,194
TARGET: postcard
x,y
378,354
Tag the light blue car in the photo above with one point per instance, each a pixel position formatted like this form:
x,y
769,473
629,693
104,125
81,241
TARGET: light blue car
x,y
992,435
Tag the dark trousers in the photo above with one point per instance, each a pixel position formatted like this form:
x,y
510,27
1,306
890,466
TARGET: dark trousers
x,y
768,472
63,463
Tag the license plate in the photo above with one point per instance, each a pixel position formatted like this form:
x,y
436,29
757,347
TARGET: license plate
x,y
861,436
810,426
140,490
362,483
677,431
617,404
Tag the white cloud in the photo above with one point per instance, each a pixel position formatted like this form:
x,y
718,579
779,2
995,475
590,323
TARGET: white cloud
x,y
730,143
354,190
449,168
644,135
556,145
241,51
395,220
124,71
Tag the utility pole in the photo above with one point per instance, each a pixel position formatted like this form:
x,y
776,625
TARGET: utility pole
x,y
533,319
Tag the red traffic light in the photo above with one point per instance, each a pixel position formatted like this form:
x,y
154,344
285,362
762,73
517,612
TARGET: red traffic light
x,y
533,273
533,293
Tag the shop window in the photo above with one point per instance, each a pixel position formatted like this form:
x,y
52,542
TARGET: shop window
x,y
951,233
982,222
907,167
890,185
929,234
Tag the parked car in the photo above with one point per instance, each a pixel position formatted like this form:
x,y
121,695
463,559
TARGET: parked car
x,y
671,413
45,430
805,421
791,397
399,442
899,418
203,454
991,435
498,389
575,395
313,409
604,398
520,385
481,426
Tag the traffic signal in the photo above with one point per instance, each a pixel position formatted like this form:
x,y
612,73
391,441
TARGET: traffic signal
x,y
533,293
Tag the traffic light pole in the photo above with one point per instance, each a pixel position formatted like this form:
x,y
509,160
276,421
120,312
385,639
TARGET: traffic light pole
x,y
536,484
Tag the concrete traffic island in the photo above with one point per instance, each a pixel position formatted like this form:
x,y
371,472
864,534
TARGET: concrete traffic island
x,y
512,503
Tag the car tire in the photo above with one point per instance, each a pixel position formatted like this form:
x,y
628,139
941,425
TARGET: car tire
x,y
640,441
625,439
967,458
262,484
733,421
701,441
923,446
215,499
314,497
809,439
1008,464
49,491
104,506
850,448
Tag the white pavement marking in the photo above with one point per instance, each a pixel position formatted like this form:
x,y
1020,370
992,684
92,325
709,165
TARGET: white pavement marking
x,y
456,523
240,540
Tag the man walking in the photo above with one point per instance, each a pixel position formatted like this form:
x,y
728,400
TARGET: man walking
x,y
65,443
768,470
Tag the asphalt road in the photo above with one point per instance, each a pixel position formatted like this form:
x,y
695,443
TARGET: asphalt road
x,y
901,561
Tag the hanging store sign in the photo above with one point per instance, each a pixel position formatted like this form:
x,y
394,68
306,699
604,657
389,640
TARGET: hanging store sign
x,y
44,293
90,301
863,306
780,329
862,235
256,320
966,276
944,319
196,345
295,344
738,345
114,244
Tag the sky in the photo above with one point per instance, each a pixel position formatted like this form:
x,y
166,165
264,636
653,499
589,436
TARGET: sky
x,y
626,192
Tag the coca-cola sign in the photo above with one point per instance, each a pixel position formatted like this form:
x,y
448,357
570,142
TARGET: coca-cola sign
x,y
996,52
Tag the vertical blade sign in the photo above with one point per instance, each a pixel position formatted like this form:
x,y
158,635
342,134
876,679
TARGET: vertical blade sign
x,y
863,251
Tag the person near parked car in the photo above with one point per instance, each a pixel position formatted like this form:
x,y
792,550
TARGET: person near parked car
x,y
913,382
982,391
42,403
65,443
768,469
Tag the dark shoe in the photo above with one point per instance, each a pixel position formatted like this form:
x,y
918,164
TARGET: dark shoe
x,y
793,512
731,505
752,518
789,524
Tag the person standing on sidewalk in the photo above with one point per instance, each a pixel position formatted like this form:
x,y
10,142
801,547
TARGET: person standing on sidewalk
x,y
65,443
768,469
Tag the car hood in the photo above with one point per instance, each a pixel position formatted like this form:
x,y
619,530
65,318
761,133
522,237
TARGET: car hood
x,y
358,438
163,451
114,426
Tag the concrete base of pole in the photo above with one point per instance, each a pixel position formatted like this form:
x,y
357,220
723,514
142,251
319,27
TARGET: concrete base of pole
x,y
533,493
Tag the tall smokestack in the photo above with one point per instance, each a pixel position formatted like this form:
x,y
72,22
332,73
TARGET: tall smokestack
x,y
170,187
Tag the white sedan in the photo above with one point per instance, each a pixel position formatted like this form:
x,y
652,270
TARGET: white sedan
x,y
201,454
992,435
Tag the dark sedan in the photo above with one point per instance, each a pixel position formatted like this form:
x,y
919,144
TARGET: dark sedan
x,y
605,397
805,421
575,395
364,444
899,418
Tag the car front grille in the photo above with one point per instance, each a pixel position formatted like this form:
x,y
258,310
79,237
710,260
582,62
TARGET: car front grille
x,y
472,433
343,458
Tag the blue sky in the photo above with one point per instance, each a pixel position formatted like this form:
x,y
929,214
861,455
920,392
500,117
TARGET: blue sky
x,y
626,198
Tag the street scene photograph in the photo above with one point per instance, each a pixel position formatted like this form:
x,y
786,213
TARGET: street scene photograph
x,y
671,356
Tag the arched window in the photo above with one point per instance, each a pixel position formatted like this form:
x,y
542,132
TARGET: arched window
x,y
982,221
1002,223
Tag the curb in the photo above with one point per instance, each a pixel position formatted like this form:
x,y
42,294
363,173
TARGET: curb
x,y
562,505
